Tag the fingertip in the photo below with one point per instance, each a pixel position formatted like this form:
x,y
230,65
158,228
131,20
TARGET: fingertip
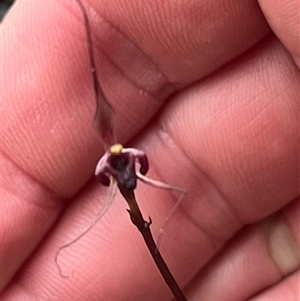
x,y
283,18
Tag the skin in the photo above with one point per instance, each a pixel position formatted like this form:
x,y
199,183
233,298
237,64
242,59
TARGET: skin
x,y
210,91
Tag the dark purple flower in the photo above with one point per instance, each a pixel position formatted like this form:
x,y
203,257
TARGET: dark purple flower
x,y
120,162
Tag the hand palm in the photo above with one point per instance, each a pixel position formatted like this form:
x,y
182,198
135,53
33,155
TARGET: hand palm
x,y
229,139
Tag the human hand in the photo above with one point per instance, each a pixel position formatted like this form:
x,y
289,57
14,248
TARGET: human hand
x,y
212,97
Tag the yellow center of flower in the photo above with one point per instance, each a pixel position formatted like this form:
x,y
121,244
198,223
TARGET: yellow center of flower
x,y
116,149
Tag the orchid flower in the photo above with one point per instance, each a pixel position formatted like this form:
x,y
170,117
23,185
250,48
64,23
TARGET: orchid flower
x,y
117,169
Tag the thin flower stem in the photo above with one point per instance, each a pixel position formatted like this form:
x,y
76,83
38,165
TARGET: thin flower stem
x,y
144,227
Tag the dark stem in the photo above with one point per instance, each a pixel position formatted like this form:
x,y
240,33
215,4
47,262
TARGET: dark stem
x,y
144,227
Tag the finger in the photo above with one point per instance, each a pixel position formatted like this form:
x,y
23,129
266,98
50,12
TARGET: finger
x,y
288,290
180,36
47,128
27,211
283,18
243,138
258,257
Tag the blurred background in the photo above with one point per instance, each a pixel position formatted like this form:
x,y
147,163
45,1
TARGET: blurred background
x,y
4,7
